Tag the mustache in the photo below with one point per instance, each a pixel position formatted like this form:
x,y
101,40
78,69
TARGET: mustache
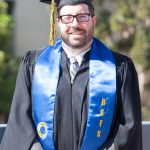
x,y
75,29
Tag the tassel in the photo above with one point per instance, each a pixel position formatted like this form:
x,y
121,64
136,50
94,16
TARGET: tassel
x,y
52,23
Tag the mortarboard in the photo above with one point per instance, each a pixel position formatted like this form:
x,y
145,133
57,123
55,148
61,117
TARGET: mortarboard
x,y
59,4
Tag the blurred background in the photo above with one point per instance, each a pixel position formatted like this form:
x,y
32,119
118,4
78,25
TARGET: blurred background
x,y
124,26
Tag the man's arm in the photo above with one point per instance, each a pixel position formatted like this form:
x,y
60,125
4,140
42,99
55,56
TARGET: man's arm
x,y
129,132
127,127
20,133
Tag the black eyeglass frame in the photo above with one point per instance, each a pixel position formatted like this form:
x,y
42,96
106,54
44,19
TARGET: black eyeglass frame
x,y
74,16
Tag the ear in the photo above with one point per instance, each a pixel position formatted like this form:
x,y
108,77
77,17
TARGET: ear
x,y
94,20
58,21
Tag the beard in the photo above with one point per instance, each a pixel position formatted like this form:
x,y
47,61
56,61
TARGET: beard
x,y
76,38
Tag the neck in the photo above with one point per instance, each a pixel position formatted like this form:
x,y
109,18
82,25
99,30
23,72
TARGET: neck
x,y
72,52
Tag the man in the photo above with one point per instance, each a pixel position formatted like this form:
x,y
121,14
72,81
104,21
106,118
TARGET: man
x,y
76,94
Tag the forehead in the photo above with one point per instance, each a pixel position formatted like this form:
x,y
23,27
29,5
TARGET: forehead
x,y
74,9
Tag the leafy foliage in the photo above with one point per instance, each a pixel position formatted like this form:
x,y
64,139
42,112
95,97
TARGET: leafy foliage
x,y
125,27
6,28
8,63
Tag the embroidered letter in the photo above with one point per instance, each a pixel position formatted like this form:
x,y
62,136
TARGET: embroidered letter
x,y
102,112
103,102
100,123
98,133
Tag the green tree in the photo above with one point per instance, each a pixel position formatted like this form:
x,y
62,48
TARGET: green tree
x,y
125,27
6,28
8,63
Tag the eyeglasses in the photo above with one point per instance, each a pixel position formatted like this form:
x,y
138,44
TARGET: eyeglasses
x,y
80,18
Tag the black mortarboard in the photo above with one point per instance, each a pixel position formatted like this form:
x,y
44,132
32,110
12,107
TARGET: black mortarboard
x,y
59,4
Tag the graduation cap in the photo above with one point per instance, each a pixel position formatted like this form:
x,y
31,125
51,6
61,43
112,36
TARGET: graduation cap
x,y
59,4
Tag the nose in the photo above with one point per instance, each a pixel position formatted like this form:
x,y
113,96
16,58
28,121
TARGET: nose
x,y
75,22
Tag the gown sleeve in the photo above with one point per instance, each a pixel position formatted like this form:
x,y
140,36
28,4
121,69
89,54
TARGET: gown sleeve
x,y
20,132
128,124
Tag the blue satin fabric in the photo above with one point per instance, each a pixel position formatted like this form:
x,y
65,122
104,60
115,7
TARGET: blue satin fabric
x,y
102,86
45,82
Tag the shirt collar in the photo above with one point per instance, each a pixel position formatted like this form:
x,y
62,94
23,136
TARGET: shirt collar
x,y
78,57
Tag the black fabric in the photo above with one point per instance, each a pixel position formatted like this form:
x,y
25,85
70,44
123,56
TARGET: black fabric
x,y
71,101
126,130
128,124
61,3
63,110
80,101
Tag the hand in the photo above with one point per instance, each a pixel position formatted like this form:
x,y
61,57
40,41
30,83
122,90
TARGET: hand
x,y
36,146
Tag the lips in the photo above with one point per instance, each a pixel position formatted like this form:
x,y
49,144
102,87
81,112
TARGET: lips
x,y
76,33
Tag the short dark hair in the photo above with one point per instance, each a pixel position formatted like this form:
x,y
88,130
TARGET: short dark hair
x,y
90,6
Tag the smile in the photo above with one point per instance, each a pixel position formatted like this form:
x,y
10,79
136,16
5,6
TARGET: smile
x,y
77,33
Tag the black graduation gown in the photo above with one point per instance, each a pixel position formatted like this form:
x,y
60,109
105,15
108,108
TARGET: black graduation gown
x,y
71,106
125,132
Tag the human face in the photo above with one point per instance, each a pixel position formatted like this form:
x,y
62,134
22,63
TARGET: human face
x,y
76,35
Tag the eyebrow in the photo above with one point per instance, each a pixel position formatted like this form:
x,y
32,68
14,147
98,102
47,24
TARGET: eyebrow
x,y
74,14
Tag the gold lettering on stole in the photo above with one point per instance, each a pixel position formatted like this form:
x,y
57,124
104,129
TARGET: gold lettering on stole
x,y
100,123
103,103
102,112
98,133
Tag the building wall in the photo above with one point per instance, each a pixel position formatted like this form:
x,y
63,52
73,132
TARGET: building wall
x,y
32,25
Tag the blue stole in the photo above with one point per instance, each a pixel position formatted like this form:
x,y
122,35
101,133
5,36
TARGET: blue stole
x,y
102,95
